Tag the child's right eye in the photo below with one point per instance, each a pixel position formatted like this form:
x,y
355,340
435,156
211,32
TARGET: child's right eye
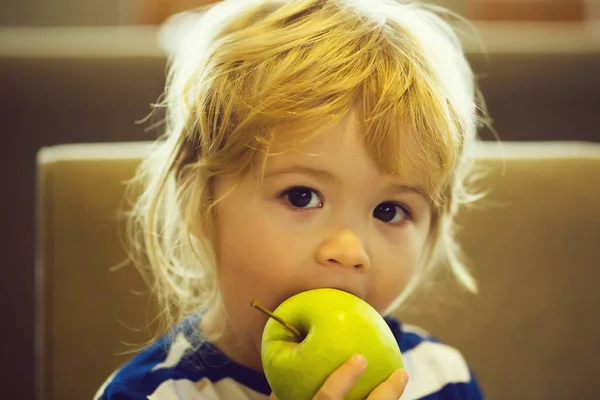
x,y
301,197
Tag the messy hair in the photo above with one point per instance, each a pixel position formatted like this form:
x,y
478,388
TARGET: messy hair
x,y
251,73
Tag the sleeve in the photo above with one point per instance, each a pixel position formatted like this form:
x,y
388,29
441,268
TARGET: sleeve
x,y
469,390
462,391
473,390
439,372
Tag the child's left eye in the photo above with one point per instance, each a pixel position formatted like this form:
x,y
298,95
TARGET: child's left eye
x,y
391,212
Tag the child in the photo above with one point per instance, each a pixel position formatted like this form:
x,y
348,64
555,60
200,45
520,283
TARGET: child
x,y
309,143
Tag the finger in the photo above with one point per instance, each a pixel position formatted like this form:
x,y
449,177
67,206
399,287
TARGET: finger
x,y
342,379
273,397
392,387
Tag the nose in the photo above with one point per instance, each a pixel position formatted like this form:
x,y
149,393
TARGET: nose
x,y
344,248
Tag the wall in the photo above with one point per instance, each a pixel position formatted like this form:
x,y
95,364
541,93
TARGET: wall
x,y
90,12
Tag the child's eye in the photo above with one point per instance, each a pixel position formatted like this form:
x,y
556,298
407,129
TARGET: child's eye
x,y
300,197
391,212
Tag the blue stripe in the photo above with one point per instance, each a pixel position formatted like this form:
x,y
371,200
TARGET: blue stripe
x,y
464,391
406,340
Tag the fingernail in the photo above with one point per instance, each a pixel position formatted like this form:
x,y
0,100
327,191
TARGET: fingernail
x,y
403,377
358,360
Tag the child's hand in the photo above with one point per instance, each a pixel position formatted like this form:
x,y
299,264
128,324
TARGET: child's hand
x,y
342,379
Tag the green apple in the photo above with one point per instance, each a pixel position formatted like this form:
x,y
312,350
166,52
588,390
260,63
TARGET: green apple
x,y
325,328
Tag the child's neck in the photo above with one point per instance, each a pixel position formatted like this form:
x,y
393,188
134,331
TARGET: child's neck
x,y
236,345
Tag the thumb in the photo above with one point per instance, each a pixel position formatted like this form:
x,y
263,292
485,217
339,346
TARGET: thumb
x,y
273,397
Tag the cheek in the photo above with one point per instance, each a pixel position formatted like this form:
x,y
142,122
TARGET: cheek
x,y
249,242
253,248
388,286
395,267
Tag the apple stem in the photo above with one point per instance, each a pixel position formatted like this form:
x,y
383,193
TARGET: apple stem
x,y
258,306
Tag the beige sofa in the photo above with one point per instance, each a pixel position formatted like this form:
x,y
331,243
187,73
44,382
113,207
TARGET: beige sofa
x,y
532,333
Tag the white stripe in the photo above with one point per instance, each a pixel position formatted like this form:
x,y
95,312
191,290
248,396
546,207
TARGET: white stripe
x,y
180,390
204,390
230,389
176,352
430,367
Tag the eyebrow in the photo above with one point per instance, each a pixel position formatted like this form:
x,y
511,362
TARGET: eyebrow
x,y
324,175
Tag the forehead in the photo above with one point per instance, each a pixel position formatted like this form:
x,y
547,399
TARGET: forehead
x,y
339,147
341,151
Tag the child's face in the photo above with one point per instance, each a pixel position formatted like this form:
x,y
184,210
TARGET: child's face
x,y
330,219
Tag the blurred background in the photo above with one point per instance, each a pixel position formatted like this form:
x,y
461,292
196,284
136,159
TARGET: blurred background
x,y
86,71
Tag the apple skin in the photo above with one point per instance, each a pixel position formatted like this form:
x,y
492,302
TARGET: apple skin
x,y
337,325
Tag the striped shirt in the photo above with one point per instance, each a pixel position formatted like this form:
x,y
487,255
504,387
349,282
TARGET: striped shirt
x,y
170,369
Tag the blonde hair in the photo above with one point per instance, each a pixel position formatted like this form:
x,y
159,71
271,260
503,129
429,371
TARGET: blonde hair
x,y
250,73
